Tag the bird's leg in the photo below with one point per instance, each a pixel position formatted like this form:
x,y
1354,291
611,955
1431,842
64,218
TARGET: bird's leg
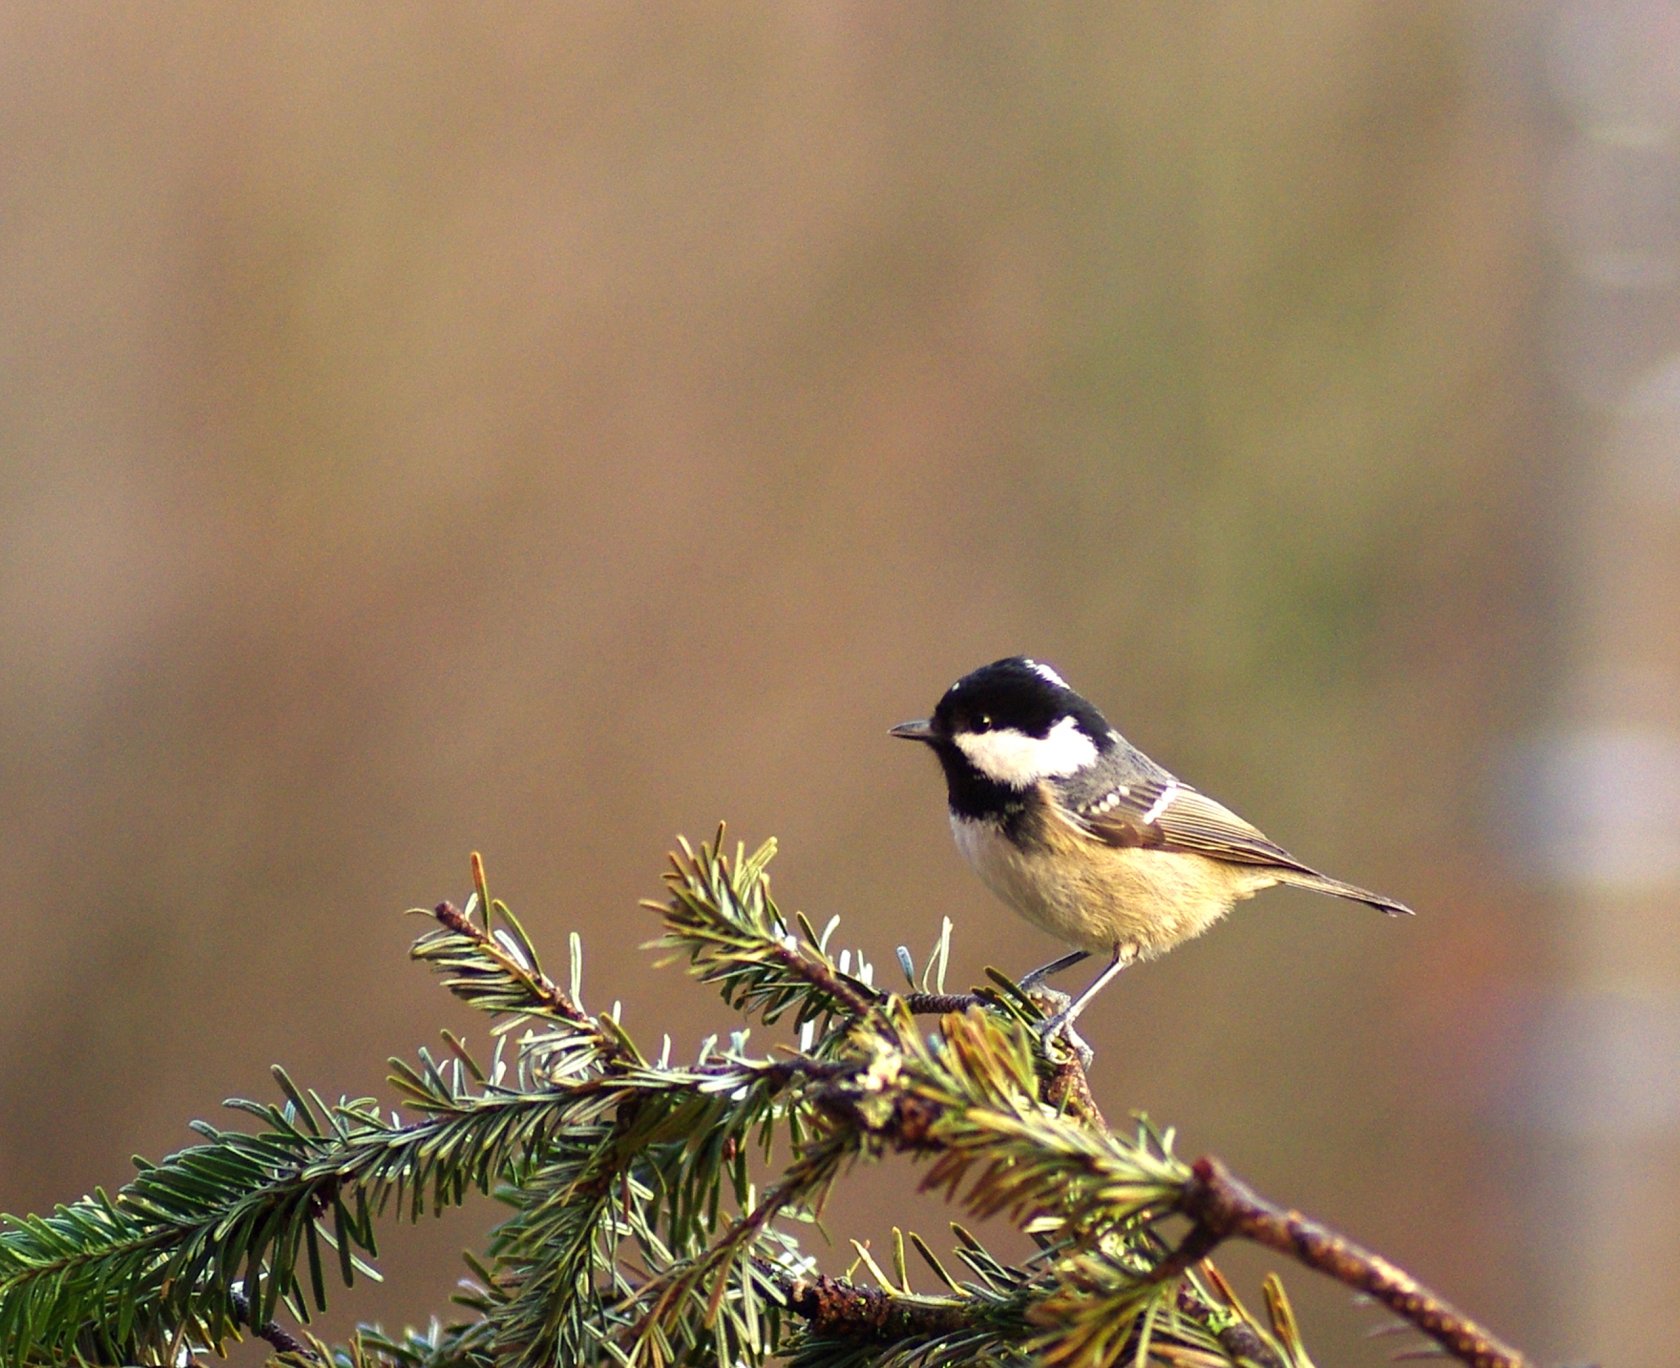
x,y
1066,1017
1055,966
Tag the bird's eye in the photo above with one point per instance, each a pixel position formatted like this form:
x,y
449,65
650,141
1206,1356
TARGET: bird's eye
x,y
983,722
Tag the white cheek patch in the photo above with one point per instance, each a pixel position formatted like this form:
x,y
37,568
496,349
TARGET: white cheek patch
x,y
1013,758
1049,676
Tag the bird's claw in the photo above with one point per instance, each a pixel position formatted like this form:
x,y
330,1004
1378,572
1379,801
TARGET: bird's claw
x,y
1060,1022
1062,1025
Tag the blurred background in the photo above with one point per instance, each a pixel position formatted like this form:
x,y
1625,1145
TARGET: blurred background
x,y
546,430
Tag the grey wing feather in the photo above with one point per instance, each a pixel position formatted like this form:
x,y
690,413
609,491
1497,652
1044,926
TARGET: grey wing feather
x,y
1168,815
1161,813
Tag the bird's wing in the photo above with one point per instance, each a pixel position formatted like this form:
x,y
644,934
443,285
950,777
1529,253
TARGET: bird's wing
x,y
1161,813
1157,812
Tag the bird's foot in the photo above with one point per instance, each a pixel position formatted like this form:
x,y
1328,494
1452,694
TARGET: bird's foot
x,y
1052,1002
1062,1010
1062,1025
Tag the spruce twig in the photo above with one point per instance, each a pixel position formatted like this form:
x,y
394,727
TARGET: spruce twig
x,y
283,1341
1222,1206
940,1004
638,1234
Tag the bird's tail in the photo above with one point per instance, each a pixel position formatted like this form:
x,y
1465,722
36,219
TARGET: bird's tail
x,y
1322,883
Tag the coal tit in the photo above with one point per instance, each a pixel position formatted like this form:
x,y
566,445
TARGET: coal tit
x,y
1086,836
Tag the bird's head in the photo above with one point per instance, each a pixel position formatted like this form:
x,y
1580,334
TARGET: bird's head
x,y
1014,723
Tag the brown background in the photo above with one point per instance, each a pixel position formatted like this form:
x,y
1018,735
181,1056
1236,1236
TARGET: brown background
x,y
544,431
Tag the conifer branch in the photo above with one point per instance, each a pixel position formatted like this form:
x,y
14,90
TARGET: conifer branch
x,y
941,1004
495,967
638,1234
282,1340
1223,1206
720,913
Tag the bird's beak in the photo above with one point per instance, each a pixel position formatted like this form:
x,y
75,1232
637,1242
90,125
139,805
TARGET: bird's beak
x,y
913,731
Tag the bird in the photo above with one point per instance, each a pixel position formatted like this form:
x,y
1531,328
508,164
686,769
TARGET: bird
x,y
1083,834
